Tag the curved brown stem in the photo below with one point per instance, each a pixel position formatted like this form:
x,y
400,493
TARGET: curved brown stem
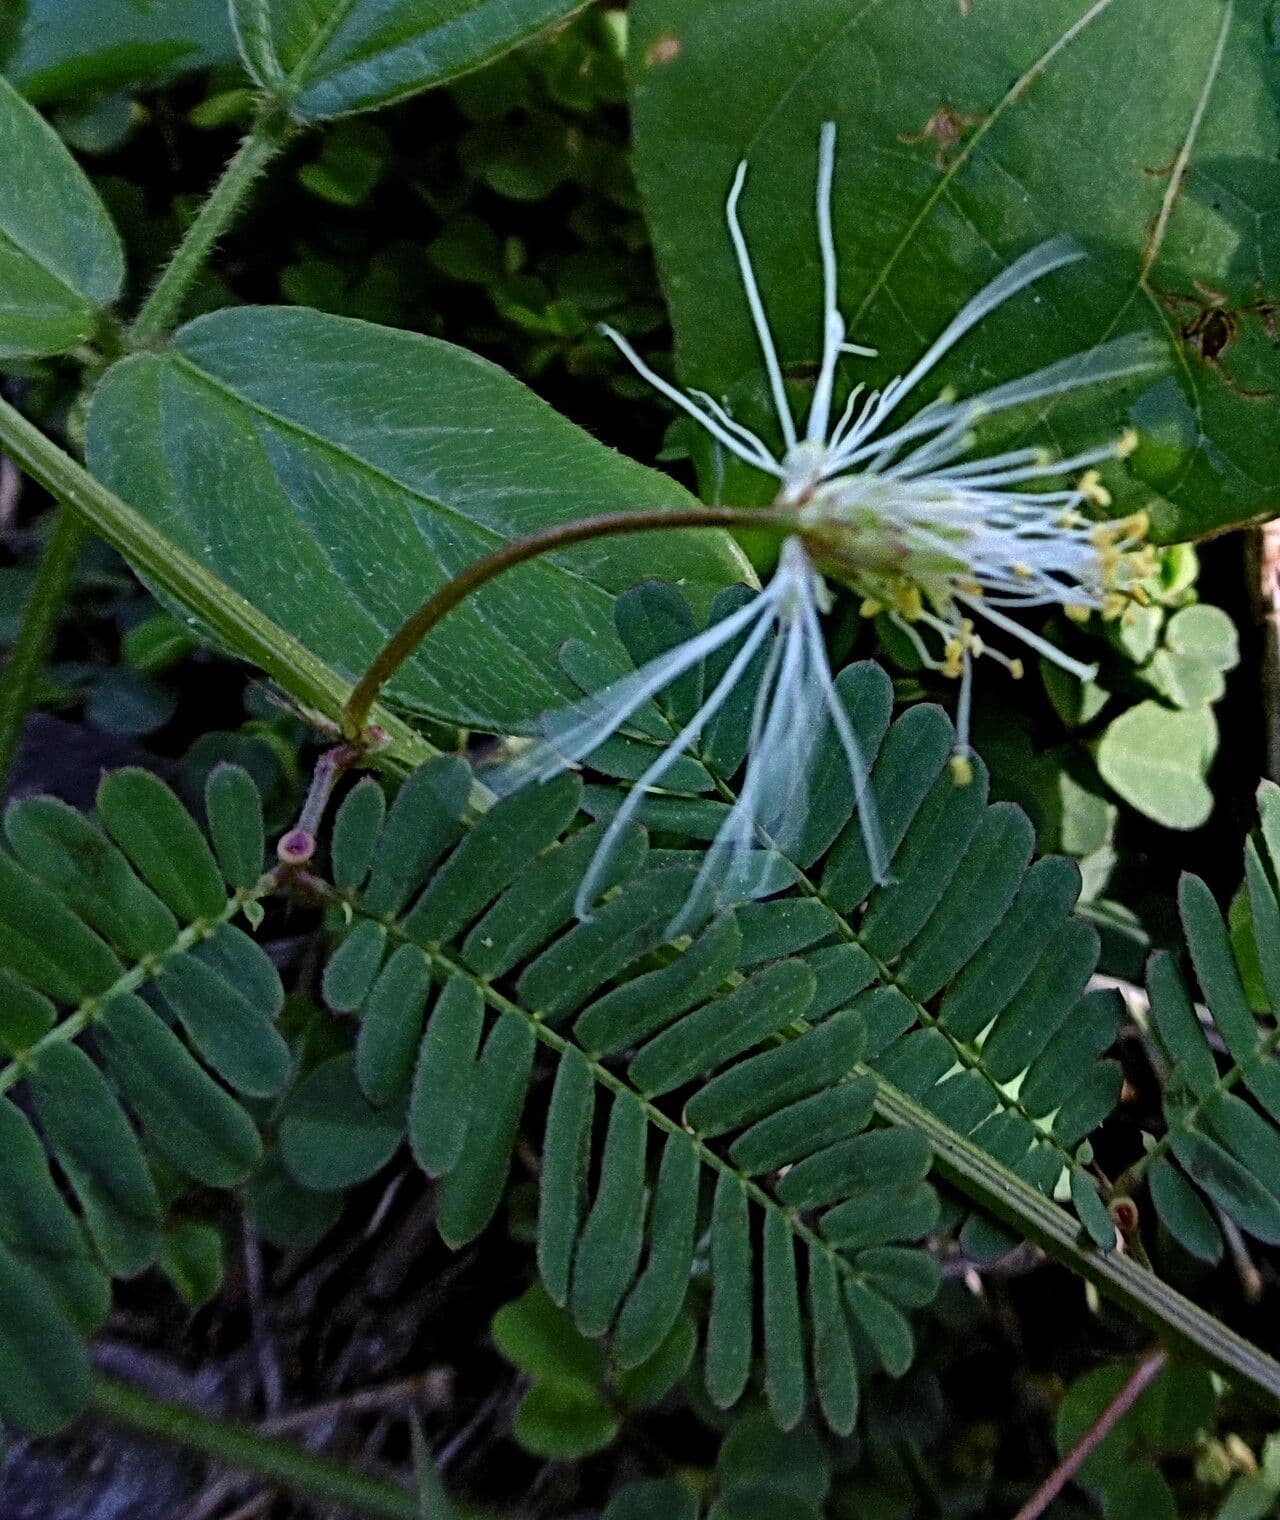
x,y
401,644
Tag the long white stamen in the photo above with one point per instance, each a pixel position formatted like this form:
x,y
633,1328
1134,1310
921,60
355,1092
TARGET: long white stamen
x,y
752,290
832,322
759,458
598,869
1077,668
598,717
868,816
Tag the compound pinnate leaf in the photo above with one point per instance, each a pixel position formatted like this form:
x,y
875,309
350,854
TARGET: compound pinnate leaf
x,y
60,257
375,464
323,58
950,168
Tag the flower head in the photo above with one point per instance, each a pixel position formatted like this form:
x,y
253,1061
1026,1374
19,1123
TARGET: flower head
x,y
895,506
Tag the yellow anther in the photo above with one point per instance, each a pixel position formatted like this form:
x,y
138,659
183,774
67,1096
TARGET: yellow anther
x,y
1076,612
1092,489
908,601
1023,570
1126,443
969,588
870,607
1113,605
1016,669
961,770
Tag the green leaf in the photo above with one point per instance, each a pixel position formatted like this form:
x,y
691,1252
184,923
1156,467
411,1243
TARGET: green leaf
x,y
356,830
321,58
612,1237
445,1078
230,1028
566,1152
25,1015
60,256
391,1026
95,1147
720,1030
47,944
331,1135
38,1227
1183,1214
1157,760
655,1499
44,1367
535,1335
72,50
769,1081
165,843
648,1002
729,1328
185,1114
424,821
194,1260
947,170
653,1379
655,1301
834,1371
1200,645
62,847
471,1193
563,1423
348,976
372,493
236,826
784,1378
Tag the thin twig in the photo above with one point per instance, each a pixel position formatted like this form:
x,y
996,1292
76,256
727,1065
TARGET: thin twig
x,y
1143,1374
361,1401
518,551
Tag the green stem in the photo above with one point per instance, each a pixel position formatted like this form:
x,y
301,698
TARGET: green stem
x,y
1001,1192
517,551
36,633
233,620
276,1462
161,309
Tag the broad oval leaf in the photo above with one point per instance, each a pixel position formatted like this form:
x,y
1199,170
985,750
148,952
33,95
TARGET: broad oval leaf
x,y
967,134
322,58
336,473
60,256
68,49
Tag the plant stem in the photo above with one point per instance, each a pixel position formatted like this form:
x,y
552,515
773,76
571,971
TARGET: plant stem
x,y
277,1462
1002,1193
35,635
1143,1374
160,310
233,620
517,551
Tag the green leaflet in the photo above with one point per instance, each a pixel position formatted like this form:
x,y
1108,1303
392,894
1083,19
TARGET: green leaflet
x,y
655,1301
236,827
165,843
391,1026
331,1135
611,1240
99,1153
185,1114
470,1194
566,1151
445,1077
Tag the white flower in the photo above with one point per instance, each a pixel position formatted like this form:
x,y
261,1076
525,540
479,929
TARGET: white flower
x,y
895,509
892,507
795,701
